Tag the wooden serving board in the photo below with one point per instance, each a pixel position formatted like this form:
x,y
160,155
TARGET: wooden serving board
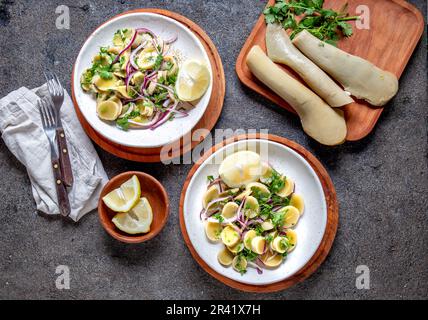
x,y
207,122
395,29
326,242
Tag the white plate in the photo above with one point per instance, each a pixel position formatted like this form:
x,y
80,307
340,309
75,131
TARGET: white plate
x,y
188,46
310,228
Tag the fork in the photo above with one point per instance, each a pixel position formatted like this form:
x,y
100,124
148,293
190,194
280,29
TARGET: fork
x,y
47,115
56,92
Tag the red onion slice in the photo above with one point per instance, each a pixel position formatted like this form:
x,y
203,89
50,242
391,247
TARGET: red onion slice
x,y
134,53
145,30
236,228
166,103
126,48
239,211
260,263
180,112
165,116
215,181
129,78
255,266
272,257
163,86
171,40
214,202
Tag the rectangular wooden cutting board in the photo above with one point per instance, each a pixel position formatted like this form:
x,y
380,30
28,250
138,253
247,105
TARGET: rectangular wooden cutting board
x,y
395,29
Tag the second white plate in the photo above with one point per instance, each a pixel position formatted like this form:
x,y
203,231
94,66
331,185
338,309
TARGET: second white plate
x,y
310,229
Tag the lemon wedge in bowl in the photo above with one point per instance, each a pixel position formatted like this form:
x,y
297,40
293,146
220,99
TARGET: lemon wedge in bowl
x,y
125,197
137,220
192,81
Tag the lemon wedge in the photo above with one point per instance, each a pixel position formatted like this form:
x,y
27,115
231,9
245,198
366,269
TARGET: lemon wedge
x,y
125,197
192,81
137,220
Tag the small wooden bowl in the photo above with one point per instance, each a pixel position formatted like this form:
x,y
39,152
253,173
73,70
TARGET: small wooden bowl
x,y
153,190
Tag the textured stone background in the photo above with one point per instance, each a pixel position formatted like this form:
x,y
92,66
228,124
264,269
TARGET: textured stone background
x,y
381,181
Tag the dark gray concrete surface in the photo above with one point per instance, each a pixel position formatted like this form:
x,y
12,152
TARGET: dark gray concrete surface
x,y
381,181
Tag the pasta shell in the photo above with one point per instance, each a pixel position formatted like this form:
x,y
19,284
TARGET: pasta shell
x,y
267,225
230,236
291,217
104,84
229,210
108,110
251,207
236,248
297,202
213,230
249,236
277,244
258,186
287,189
271,260
239,263
243,195
121,90
258,244
211,194
225,257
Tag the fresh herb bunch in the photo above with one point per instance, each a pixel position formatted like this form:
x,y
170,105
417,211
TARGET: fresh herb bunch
x,y
325,24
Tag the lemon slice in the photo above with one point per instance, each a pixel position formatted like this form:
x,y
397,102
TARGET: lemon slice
x,y
137,220
125,197
192,81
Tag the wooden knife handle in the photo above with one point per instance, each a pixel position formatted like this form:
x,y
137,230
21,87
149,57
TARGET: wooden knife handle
x,y
61,190
64,158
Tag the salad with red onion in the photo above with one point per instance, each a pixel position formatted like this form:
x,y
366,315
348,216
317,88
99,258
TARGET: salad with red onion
x,y
254,220
134,80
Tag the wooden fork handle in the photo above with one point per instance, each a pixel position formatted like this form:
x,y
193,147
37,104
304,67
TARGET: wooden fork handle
x,y
61,189
64,158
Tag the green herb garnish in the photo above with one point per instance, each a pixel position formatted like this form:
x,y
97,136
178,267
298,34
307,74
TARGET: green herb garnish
x,y
276,182
325,24
239,266
158,62
123,122
248,254
219,217
278,218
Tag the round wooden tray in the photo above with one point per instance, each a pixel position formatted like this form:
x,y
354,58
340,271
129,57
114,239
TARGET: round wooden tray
x,y
327,240
207,122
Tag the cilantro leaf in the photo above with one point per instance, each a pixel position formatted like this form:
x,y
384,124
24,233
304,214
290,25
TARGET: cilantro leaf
x,y
158,62
106,75
219,217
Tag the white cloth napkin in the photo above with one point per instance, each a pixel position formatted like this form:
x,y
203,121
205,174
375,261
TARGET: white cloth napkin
x,y
22,132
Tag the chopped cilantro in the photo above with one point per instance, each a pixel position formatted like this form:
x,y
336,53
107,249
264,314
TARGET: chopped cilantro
x,y
219,217
158,62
